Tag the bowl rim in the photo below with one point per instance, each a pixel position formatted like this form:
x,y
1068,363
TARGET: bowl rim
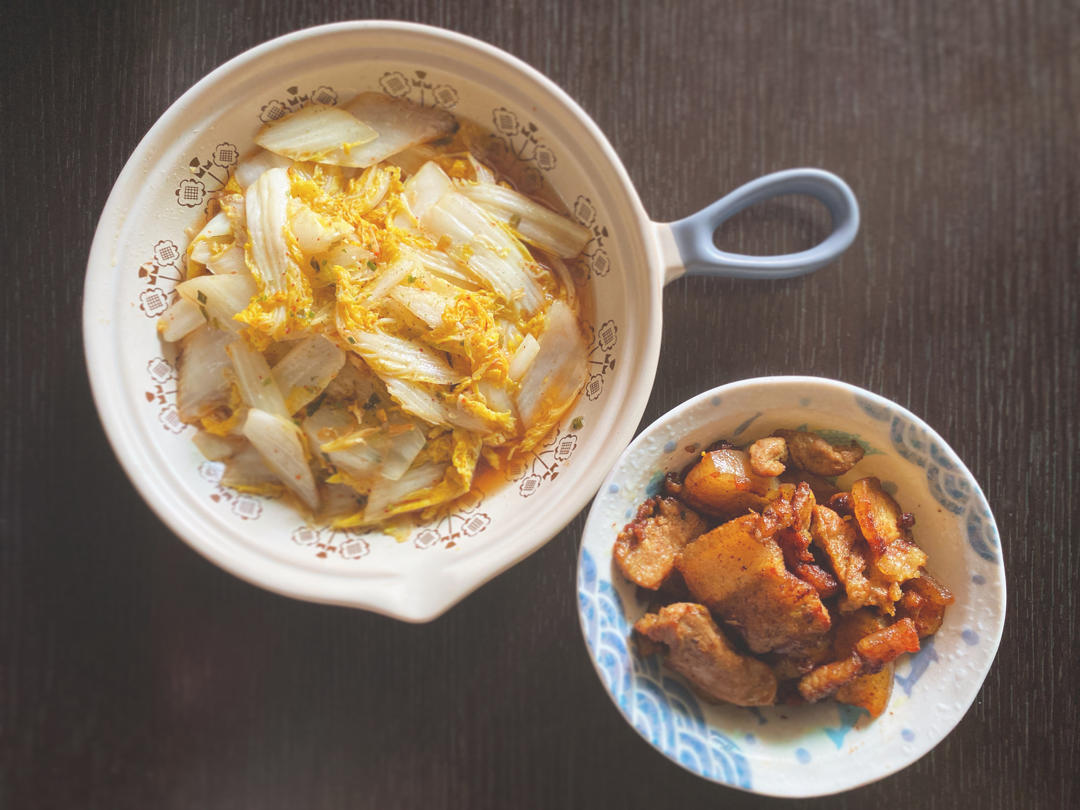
x,y
105,373
878,400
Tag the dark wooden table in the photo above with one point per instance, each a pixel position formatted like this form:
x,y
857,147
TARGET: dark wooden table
x,y
134,674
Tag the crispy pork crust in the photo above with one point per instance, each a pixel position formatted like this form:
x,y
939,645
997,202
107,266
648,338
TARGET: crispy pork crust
x,y
849,557
893,553
870,654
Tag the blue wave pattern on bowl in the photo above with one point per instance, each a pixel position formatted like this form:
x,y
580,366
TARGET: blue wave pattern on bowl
x,y
661,708
946,482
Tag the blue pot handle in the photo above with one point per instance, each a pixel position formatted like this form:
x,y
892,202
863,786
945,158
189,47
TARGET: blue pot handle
x,y
700,255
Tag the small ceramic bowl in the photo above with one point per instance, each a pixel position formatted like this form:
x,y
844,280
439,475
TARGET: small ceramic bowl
x,y
138,257
827,747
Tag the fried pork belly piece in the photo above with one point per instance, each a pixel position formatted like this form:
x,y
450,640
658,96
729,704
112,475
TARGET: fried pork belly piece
x,y
795,542
893,553
817,578
767,456
823,681
787,519
779,514
888,644
802,504
793,667
849,557
924,601
723,484
698,650
870,655
738,573
810,452
645,550
871,691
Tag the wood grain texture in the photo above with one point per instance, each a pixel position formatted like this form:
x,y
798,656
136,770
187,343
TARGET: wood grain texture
x,y
135,674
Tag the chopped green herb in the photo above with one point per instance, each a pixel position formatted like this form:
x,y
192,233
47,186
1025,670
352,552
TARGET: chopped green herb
x,y
515,220
411,279
205,314
201,297
371,264
268,380
577,423
351,339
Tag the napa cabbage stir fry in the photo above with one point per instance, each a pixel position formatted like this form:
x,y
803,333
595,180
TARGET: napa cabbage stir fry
x,y
371,314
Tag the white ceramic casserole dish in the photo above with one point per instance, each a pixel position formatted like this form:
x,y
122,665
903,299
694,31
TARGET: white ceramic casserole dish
x,y
137,258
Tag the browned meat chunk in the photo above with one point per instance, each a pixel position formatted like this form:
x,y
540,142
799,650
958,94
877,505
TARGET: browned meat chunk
x,y
740,576
893,553
850,628
826,679
817,578
793,667
870,655
821,487
779,514
645,550
698,650
810,452
795,538
888,644
789,520
932,589
673,485
722,484
924,602
802,504
872,690
790,507
767,456
849,557
841,504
